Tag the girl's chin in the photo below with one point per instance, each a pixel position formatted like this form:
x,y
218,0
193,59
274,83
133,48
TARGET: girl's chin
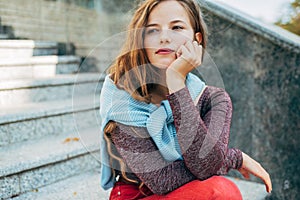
x,y
163,61
162,65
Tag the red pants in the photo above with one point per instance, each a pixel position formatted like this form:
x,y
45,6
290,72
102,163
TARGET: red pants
x,y
214,188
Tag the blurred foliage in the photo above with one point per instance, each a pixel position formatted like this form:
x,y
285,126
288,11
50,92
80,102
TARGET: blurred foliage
x,y
293,22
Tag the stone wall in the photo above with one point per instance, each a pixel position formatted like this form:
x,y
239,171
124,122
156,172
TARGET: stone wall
x,y
260,67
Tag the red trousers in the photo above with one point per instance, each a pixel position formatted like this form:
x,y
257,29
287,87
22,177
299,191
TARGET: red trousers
x,y
214,188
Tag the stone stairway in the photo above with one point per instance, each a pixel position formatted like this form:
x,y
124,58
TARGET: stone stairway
x,y
48,117
49,126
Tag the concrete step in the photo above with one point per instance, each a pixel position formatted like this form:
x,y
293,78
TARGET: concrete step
x,y
4,36
87,186
36,163
60,87
68,64
26,48
80,187
37,120
250,190
37,66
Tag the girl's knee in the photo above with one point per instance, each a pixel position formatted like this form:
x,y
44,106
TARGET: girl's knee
x,y
224,188
216,187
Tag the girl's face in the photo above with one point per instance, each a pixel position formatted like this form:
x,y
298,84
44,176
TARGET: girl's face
x,y
167,29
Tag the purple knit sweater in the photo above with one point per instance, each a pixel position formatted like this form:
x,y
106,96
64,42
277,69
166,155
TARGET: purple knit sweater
x,y
203,133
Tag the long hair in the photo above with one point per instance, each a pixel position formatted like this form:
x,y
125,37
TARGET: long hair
x,y
131,71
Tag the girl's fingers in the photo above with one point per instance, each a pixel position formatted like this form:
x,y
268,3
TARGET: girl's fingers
x,y
268,186
256,169
192,52
189,46
179,52
268,183
185,54
198,49
267,180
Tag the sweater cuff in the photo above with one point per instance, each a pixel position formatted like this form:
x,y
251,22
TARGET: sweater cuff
x,y
236,158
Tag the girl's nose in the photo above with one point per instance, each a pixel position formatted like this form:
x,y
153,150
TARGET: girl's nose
x,y
165,36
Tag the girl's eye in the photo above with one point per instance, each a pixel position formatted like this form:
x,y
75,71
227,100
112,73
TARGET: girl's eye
x,y
152,31
177,28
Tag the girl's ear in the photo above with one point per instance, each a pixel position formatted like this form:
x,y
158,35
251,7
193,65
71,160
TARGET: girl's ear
x,y
198,37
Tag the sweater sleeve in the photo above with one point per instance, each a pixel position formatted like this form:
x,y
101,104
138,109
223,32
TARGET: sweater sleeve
x,y
141,155
203,131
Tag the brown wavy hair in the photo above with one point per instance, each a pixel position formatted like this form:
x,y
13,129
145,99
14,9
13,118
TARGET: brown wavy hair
x,y
132,72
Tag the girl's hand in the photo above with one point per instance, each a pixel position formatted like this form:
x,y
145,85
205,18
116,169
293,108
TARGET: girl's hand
x,y
250,166
189,56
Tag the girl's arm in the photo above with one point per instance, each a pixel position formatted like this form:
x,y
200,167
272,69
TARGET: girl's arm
x,y
214,124
203,134
203,131
140,154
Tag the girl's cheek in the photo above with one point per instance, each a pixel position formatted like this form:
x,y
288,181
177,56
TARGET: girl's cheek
x,y
150,42
183,38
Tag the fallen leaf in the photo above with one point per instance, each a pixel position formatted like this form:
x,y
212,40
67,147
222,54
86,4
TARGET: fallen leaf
x,y
75,139
67,140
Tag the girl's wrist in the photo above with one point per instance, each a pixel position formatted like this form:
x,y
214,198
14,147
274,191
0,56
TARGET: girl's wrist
x,y
175,81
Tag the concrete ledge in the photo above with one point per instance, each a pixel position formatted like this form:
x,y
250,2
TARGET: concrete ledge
x,y
33,164
87,186
45,109
59,87
26,48
84,186
32,180
250,190
53,81
27,44
271,32
39,60
38,67
259,64
3,36
33,121
47,150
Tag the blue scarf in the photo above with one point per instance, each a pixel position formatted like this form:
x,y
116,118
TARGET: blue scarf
x,y
119,106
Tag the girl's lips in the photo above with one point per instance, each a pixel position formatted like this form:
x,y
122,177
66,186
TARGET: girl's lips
x,y
164,51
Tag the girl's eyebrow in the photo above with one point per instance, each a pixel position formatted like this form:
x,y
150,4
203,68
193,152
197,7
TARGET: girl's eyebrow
x,y
149,25
177,21
172,22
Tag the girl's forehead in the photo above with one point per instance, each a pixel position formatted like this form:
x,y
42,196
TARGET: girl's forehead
x,y
168,11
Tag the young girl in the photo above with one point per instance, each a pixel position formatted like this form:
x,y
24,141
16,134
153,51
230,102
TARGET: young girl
x,y
165,132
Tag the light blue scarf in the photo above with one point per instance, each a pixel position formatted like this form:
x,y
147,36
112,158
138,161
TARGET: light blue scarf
x,y
118,105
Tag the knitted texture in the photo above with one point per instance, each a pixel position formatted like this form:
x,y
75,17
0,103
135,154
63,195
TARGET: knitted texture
x,y
119,106
203,135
